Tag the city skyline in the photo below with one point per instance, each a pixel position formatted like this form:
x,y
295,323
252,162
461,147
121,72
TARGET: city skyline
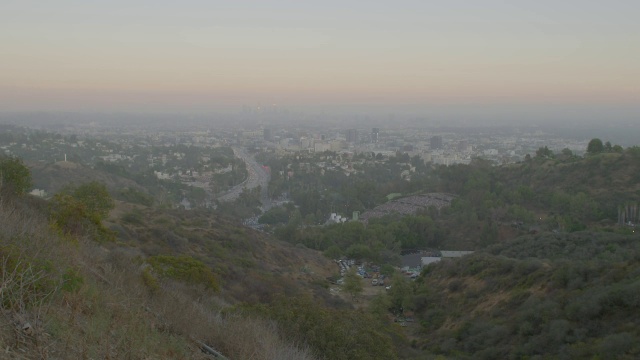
x,y
520,57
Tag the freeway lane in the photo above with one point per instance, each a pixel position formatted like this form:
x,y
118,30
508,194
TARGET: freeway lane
x,y
257,177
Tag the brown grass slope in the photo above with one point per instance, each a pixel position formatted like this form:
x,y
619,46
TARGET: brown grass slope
x,y
53,177
68,298
252,266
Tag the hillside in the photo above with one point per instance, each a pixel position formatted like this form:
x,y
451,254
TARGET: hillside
x,y
147,282
53,177
564,193
554,274
65,296
549,296
253,267
609,178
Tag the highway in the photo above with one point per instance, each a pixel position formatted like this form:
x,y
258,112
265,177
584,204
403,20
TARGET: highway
x,y
257,177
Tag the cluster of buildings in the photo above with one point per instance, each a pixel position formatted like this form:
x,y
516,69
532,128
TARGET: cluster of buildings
x,y
436,147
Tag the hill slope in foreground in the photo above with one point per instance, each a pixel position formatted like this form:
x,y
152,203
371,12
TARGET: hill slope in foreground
x,y
66,296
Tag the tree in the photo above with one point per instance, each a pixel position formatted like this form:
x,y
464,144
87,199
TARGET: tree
x,y
333,252
276,215
14,176
96,199
387,270
359,251
544,152
380,305
82,211
352,283
69,215
595,146
607,146
400,293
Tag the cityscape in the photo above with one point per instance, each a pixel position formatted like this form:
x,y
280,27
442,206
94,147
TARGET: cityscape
x,y
320,180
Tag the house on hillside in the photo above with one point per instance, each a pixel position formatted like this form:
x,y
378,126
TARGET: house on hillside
x,y
415,262
411,261
186,204
426,260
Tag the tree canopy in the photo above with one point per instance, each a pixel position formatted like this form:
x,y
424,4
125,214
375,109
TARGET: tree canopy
x,y
595,146
352,282
95,197
15,177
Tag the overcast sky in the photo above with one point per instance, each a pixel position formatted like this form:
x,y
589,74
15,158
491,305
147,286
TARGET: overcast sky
x,y
203,55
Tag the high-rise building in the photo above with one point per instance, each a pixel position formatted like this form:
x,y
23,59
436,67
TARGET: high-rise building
x,y
352,135
375,135
436,143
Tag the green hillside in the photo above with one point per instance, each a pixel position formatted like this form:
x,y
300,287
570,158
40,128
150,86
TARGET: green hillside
x,y
555,273
564,296
143,282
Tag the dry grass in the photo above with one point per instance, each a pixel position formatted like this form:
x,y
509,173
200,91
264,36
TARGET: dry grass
x,y
69,298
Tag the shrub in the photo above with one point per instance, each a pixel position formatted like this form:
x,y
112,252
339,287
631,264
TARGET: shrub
x,y
71,280
15,177
184,268
332,334
133,217
150,281
71,217
96,199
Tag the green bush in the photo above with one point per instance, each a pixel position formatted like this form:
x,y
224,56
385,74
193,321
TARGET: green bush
x,y
71,280
96,199
133,217
331,334
71,217
15,177
184,268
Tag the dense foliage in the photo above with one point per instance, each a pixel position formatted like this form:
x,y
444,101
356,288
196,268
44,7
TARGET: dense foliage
x,y
332,334
15,177
184,268
364,185
564,295
81,209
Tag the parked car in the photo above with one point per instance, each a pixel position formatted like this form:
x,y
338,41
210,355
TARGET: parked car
x,y
374,282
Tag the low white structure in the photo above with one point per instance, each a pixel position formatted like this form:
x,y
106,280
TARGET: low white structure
x,y
38,192
454,254
426,260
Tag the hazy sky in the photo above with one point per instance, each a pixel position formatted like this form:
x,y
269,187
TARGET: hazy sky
x,y
201,55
